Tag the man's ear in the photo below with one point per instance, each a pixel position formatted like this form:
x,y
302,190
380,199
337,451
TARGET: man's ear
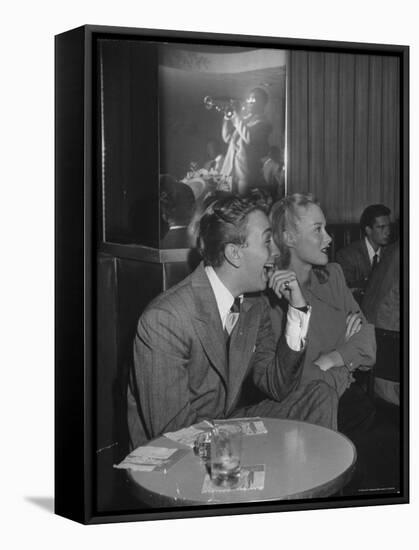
x,y
368,231
232,253
289,238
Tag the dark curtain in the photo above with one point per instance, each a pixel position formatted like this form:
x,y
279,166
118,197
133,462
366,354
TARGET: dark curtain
x,y
343,131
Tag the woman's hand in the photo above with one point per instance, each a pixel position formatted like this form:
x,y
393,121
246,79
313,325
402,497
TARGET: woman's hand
x,y
326,361
284,283
353,324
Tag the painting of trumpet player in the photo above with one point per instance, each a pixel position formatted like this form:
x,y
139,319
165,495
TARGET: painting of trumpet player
x,y
234,97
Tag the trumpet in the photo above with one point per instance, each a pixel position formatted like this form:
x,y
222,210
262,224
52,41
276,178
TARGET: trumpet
x,y
226,106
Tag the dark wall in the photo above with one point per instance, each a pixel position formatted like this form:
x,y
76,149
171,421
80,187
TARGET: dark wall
x,y
128,153
124,288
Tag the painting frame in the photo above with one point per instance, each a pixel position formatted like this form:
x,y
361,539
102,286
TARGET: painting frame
x,y
78,231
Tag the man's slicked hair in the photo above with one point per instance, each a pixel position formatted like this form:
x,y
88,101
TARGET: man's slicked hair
x,y
224,221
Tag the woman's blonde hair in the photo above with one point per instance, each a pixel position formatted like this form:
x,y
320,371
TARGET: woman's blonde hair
x,y
284,216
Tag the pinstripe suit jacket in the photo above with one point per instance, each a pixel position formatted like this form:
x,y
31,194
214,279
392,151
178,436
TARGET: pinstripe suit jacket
x,y
181,373
355,263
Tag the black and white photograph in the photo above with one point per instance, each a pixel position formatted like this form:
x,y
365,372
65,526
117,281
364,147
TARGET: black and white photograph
x,y
248,243
208,292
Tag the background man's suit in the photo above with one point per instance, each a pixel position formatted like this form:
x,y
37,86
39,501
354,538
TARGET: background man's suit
x,y
181,373
355,263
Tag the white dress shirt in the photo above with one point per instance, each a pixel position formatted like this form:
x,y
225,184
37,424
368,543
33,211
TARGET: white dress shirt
x,y
371,251
297,321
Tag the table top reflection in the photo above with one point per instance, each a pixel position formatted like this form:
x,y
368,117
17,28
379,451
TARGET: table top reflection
x,y
301,461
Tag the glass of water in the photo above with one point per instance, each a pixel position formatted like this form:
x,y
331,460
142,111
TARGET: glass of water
x,y
226,446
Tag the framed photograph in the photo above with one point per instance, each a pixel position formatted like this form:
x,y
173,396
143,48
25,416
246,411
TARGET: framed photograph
x,y
168,405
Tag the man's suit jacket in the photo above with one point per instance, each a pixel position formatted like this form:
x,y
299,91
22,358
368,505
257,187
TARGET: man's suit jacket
x,y
381,303
355,264
181,373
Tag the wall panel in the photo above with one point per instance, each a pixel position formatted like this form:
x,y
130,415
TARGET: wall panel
x,y
375,122
298,126
390,158
316,127
346,145
331,134
361,118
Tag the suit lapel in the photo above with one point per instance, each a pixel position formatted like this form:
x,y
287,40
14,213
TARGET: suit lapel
x,y
242,345
208,323
365,255
320,291
208,326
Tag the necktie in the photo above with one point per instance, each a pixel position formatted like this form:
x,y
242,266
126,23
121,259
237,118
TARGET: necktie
x,y
375,260
232,318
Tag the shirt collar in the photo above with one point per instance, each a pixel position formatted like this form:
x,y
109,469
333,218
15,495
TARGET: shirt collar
x,y
223,296
371,251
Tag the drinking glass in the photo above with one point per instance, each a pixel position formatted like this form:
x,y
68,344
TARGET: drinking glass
x,y
226,445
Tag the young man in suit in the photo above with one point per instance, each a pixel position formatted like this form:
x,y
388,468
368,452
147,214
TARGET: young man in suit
x,y
192,351
360,257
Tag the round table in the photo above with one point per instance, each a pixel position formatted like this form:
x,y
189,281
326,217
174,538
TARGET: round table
x,y
301,461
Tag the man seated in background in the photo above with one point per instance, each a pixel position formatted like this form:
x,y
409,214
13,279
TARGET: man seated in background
x,y
359,258
177,203
381,306
197,342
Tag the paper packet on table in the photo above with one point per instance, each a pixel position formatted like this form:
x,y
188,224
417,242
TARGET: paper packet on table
x,y
252,478
249,426
187,436
151,459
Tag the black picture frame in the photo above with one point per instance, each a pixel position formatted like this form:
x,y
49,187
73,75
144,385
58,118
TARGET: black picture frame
x,y
79,232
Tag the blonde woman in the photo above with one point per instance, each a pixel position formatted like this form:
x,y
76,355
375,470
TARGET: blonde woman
x,y
339,339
